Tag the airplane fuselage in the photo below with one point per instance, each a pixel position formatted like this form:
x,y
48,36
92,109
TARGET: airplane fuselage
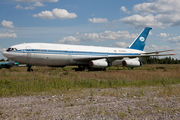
x,y
91,57
62,55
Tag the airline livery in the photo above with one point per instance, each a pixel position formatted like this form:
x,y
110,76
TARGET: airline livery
x,y
90,57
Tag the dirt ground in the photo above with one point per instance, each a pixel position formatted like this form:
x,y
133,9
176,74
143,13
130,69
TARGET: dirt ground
x,y
118,103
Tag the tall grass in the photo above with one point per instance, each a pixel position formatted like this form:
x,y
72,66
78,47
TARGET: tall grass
x,y
17,81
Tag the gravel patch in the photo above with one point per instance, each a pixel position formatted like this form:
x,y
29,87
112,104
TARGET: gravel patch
x,y
119,103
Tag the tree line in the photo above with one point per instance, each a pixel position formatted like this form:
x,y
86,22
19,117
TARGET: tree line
x,y
166,60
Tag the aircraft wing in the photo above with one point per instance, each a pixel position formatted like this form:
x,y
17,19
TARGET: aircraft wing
x,y
115,57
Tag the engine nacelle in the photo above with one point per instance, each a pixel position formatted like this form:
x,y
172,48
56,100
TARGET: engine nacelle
x,y
131,63
102,63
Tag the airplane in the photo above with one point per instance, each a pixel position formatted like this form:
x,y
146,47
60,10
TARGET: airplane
x,y
8,64
90,57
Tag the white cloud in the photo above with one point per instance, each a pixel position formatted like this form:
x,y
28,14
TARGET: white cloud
x,y
139,21
150,33
120,44
169,19
36,0
160,13
98,20
123,8
55,14
19,7
174,39
159,6
107,35
39,4
8,35
31,7
116,35
156,48
177,50
163,35
2,49
69,39
8,24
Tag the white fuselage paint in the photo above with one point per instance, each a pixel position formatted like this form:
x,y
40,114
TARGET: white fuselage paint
x,y
61,54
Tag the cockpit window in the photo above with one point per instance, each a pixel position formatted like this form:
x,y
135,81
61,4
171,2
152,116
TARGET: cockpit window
x,y
11,49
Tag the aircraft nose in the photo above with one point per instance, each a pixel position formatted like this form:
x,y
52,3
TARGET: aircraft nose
x,y
6,54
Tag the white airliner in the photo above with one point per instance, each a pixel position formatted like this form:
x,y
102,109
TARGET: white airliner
x,y
91,57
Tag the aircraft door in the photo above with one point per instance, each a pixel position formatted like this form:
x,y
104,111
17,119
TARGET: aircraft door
x,y
69,59
27,53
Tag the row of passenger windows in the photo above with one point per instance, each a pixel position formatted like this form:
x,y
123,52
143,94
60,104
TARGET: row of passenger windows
x,y
69,51
14,49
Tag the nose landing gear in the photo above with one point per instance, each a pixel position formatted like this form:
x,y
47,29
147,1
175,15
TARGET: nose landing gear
x,y
29,68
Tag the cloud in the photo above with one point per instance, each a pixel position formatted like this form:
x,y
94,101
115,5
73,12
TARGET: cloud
x,y
56,14
2,49
7,35
159,6
123,8
69,39
139,21
160,13
169,19
39,4
163,35
88,37
19,7
8,24
174,39
98,20
36,0
116,35
32,7
120,44
156,48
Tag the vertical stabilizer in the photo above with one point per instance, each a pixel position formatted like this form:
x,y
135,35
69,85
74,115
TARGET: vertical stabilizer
x,y
139,42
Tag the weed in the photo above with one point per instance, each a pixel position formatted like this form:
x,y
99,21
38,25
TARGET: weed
x,y
129,110
121,114
54,80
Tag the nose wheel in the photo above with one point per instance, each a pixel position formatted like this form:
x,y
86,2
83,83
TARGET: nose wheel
x,y
29,68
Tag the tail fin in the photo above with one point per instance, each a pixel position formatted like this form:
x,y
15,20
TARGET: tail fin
x,y
139,42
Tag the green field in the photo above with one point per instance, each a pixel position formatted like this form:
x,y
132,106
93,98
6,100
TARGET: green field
x,y
46,80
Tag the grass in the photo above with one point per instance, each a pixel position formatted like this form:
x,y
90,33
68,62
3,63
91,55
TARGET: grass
x,y
45,80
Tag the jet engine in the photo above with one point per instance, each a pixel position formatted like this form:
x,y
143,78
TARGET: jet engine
x,y
131,63
102,63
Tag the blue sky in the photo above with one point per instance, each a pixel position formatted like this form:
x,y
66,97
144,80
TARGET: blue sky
x,y
90,22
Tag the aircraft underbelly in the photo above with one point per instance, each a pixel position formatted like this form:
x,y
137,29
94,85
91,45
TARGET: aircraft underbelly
x,y
50,59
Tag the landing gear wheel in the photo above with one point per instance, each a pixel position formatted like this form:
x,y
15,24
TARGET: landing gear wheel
x,y
80,68
29,68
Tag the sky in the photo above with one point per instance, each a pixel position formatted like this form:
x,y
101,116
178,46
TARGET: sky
x,y
107,23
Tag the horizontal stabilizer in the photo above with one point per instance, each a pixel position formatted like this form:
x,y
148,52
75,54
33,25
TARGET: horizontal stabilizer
x,y
157,52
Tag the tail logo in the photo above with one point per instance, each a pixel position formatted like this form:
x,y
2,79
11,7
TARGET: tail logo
x,y
141,39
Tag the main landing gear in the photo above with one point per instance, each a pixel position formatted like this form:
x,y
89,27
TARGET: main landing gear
x,y
83,68
80,68
29,68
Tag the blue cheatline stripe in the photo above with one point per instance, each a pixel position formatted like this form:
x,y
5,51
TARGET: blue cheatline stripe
x,y
70,52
